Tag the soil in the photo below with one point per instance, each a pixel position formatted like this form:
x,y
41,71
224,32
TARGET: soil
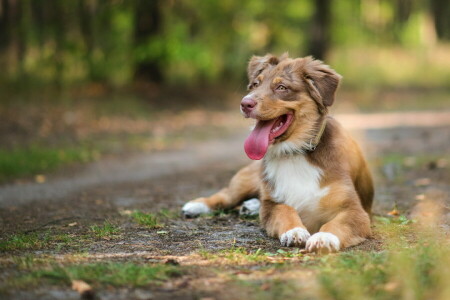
x,y
409,163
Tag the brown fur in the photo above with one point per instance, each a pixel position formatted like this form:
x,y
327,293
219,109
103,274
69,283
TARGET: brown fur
x,y
345,209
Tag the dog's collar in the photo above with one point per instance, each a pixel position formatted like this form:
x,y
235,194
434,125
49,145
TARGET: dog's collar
x,y
315,141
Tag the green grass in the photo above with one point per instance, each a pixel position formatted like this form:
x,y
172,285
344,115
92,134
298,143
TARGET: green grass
x,y
97,274
241,255
412,264
413,272
40,159
24,241
36,241
105,230
150,220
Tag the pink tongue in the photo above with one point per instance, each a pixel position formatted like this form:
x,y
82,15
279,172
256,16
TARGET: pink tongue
x,y
258,141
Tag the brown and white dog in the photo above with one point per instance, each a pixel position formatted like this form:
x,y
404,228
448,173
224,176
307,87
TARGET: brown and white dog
x,y
313,182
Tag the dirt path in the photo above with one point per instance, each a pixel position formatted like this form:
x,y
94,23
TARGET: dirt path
x,y
409,128
410,161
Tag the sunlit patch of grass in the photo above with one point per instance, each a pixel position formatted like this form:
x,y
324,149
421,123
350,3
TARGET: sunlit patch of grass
x,y
413,266
97,274
412,272
106,230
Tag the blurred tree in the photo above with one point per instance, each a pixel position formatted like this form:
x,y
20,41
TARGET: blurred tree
x,y
194,42
319,41
148,25
441,13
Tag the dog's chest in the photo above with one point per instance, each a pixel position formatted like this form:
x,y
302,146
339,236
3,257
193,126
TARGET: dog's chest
x,y
295,182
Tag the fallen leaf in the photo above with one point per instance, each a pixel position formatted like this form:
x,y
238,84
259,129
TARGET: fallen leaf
x,y
72,224
84,289
40,178
394,212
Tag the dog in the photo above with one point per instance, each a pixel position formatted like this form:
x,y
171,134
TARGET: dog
x,y
314,184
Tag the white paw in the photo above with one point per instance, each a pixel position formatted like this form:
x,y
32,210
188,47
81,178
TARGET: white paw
x,y
323,242
250,207
294,237
194,209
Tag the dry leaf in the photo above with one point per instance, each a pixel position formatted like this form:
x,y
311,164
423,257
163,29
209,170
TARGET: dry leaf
x,y
40,178
84,289
72,224
394,212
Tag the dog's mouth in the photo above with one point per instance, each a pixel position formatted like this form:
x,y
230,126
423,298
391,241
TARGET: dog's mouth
x,y
264,134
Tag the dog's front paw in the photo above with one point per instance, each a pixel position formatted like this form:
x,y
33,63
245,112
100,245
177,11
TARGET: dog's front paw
x,y
294,237
323,243
250,207
195,208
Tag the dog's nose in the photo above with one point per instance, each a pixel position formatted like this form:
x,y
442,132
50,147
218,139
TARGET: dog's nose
x,y
248,104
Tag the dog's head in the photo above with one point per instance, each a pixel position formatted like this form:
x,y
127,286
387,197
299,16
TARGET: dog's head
x,y
287,97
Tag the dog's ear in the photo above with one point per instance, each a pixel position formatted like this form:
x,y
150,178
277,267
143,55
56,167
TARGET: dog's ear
x,y
321,80
258,64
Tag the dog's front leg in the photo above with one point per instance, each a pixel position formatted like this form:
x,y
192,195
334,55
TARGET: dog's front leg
x,y
348,228
244,185
283,222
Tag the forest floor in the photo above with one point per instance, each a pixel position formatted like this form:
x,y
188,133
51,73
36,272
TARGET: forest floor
x,y
112,229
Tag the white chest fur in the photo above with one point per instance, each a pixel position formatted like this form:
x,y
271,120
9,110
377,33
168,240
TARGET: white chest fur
x,y
296,183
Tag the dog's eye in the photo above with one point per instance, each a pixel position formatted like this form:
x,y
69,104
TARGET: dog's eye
x,y
281,88
255,84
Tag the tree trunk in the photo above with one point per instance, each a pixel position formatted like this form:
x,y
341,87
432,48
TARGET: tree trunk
x,y
319,41
147,26
440,9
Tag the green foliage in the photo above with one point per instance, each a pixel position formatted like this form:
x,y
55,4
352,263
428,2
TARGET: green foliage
x,y
195,42
106,230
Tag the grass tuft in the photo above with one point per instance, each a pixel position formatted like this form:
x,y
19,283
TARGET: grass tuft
x,y
107,229
147,219
98,274
24,241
